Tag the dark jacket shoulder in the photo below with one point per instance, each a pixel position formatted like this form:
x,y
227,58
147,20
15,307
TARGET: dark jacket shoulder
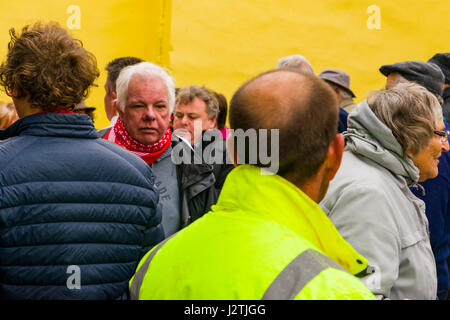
x,y
201,178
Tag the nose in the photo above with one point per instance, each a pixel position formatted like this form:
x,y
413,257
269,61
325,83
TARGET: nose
x,y
184,121
150,113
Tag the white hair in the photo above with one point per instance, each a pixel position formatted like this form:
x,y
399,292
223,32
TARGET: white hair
x,y
295,61
146,70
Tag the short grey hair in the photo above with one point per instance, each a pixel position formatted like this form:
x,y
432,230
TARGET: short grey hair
x,y
297,62
410,111
146,70
187,94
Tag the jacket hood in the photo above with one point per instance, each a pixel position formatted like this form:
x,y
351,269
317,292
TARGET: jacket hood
x,y
367,136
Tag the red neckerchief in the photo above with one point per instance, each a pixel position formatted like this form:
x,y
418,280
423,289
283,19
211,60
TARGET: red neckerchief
x,y
149,153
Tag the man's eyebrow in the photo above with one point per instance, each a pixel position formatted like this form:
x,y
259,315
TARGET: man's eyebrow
x,y
133,101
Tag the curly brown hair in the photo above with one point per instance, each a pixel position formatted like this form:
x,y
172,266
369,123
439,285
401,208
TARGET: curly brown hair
x,y
48,67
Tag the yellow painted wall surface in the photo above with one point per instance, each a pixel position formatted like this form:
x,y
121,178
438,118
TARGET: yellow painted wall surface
x,y
109,29
223,43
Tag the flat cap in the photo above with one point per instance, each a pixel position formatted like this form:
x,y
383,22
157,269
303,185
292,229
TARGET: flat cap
x,y
426,74
337,77
442,60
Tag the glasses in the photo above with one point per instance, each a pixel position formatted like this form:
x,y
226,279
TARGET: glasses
x,y
443,135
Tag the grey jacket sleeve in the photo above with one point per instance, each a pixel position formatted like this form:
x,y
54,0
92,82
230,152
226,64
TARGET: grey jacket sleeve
x,y
364,217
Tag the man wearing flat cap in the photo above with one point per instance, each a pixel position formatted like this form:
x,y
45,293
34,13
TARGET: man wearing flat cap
x,y
339,81
442,60
436,193
426,74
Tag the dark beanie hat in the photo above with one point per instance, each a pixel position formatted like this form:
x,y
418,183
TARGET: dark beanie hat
x,y
426,74
442,60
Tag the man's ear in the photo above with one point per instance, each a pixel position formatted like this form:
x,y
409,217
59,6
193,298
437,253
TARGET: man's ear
x,y
213,122
114,99
334,156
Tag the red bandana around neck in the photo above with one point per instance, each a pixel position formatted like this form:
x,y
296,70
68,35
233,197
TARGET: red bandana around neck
x,y
149,153
61,110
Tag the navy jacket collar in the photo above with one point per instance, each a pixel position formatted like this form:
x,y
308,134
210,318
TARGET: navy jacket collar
x,y
70,125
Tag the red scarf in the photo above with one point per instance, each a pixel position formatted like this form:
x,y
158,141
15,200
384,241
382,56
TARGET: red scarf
x,y
149,153
61,110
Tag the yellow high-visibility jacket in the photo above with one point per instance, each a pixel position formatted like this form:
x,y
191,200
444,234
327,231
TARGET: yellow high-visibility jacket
x,y
264,239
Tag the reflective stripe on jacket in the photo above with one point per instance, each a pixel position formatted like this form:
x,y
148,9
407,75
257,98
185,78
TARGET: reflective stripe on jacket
x,y
265,239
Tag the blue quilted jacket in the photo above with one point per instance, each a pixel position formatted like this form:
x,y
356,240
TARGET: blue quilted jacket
x,y
77,213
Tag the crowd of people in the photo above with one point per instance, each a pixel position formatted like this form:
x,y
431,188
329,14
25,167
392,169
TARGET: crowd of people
x,y
167,202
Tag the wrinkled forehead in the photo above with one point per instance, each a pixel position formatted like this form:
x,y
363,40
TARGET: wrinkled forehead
x,y
147,88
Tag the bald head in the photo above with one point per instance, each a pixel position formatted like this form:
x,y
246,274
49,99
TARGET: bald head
x,y
301,106
266,102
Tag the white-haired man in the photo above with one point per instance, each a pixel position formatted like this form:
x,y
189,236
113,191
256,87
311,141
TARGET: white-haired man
x,y
145,101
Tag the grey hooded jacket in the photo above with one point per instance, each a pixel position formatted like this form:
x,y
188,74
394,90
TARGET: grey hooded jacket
x,y
370,203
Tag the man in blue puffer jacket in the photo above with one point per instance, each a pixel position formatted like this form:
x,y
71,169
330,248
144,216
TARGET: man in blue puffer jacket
x,y
76,212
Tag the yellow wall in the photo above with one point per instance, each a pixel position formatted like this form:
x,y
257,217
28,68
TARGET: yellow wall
x,y
109,29
223,43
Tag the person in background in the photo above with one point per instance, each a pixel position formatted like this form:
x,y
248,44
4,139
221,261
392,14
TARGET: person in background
x,y
340,83
442,60
222,117
113,68
195,118
296,62
393,142
195,106
434,192
425,74
8,114
74,224
82,108
266,238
